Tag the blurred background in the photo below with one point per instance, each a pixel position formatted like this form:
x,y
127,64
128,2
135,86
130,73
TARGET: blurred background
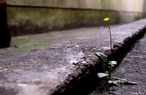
x,y
25,17
37,16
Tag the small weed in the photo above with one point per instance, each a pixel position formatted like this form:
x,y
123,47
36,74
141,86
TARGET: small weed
x,y
108,66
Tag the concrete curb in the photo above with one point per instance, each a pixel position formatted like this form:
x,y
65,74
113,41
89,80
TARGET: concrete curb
x,y
76,64
86,80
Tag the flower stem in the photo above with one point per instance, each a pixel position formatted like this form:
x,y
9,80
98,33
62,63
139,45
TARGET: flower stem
x,y
110,38
110,68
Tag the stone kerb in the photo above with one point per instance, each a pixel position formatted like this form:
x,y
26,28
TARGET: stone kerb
x,y
68,68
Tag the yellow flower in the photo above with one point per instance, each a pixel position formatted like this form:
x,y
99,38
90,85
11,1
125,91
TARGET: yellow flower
x,y
106,19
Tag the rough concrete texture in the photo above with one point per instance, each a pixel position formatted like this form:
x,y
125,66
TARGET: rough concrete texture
x,y
61,68
133,69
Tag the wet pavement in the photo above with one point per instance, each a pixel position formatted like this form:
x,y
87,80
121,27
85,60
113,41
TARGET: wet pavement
x,y
132,68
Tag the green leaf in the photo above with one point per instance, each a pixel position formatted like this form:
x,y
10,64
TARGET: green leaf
x,y
112,63
102,56
120,81
102,75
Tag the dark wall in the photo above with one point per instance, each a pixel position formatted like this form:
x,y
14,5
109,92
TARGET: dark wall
x,y
4,34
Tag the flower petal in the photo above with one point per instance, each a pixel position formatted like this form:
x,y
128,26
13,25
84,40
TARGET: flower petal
x,y
106,19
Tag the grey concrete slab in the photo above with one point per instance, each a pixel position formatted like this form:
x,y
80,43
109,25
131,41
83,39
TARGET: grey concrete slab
x,y
132,68
42,72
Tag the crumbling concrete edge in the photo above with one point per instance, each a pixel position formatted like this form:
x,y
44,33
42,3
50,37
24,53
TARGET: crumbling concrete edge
x,y
85,78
